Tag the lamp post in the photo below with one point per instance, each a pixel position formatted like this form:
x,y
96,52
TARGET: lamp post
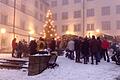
x,y
89,34
83,18
97,32
3,31
14,18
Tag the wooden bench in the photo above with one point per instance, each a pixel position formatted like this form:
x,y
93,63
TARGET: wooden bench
x,y
13,60
13,64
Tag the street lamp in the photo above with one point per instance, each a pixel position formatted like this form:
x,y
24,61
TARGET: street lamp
x,y
29,36
83,18
14,18
67,32
89,34
97,30
3,31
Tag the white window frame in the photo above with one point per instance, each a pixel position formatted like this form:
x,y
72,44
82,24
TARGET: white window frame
x,y
77,27
64,28
105,11
118,9
106,25
90,12
54,3
77,14
64,15
65,2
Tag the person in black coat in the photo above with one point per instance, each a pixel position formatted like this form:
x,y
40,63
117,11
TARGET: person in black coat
x,y
33,47
94,49
19,49
85,50
52,44
99,49
77,49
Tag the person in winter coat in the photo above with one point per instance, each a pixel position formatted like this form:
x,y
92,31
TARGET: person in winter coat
x,y
71,48
25,48
19,49
94,50
53,44
63,44
14,45
99,48
105,46
41,44
33,47
85,50
77,49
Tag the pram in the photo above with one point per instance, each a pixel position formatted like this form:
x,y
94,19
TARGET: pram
x,y
116,56
52,62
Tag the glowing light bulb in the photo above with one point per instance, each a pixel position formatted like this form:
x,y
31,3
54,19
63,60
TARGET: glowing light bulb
x,y
51,35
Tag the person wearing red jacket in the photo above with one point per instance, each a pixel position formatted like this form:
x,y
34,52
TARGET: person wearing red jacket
x,y
14,45
105,46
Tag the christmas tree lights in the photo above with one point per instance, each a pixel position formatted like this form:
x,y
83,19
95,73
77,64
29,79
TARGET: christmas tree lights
x,y
49,29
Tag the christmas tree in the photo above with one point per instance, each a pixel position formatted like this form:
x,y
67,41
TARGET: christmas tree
x,y
49,28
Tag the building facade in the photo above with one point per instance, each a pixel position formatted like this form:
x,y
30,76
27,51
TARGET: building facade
x,y
22,18
86,17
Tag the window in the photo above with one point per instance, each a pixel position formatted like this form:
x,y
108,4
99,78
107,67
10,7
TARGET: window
x,y
77,1
118,9
65,2
5,1
77,27
90,27
36,3
36,28
54,16
118,24
4,19
41,7
64,28
106,25
90,12
105,11
22,24
54,3
89,0
46,9
36,15
64,15
23,7
77,14
41,17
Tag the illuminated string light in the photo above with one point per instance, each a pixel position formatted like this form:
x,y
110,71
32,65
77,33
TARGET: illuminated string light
x,y
49,31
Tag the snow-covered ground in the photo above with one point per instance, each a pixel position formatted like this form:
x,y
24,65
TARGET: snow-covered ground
x,y
67,70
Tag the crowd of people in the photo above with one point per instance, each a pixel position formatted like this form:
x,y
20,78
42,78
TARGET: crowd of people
x,y
76,48
86,47
24,49
19,49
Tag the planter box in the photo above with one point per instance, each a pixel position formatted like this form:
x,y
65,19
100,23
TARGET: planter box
x,y
37,64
